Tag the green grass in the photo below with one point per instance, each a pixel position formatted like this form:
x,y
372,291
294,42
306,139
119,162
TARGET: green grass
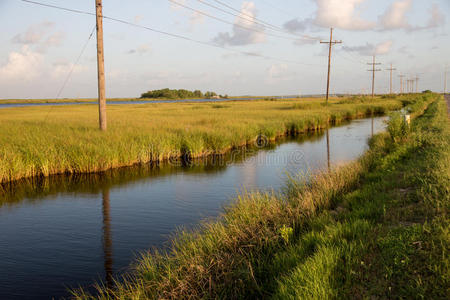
x,y
376,228
40,141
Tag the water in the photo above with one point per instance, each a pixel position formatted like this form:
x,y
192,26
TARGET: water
x,y
63,232
7,105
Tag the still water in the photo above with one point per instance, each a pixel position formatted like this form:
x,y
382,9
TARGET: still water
x,y
25,104
64,232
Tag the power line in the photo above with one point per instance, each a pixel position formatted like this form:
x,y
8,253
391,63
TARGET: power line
x,y
71,70
60,8
229,23
254,19
75,64
350,53
350,59
277,8
169,33
240,15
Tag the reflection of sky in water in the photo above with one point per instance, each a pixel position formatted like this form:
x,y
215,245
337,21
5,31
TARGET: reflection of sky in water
x,y
56,241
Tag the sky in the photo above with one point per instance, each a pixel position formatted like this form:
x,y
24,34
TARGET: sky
x,y
259,47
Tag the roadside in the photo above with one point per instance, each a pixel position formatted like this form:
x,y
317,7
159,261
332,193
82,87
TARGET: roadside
x,y
389,237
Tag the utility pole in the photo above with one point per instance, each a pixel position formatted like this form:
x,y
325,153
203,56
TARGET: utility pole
x,y
401,83
410,85
100,67
390,83
417,83
373,64
445,79
331,44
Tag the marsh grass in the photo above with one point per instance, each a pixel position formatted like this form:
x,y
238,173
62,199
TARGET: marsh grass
x,y
40,141
313,241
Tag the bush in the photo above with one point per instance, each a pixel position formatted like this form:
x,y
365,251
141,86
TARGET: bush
x,y
397,127
176,94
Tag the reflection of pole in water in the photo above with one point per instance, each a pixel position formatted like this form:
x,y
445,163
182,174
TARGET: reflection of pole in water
x,y
107,238
372,124
250,172
328,149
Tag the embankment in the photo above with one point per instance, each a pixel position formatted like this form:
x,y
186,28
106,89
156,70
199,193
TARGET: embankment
x,y
376,227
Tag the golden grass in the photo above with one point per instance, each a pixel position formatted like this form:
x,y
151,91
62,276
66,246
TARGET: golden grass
x,y
39,141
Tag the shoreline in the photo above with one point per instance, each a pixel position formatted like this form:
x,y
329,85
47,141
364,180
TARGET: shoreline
x,y
262,241
166,159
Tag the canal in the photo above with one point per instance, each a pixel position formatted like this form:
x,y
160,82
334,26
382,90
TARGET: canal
x,y
68,231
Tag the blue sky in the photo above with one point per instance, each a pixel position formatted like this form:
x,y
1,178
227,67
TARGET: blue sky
x,y
40,46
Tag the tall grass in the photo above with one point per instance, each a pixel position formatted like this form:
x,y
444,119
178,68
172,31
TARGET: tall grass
x,y
40,141
250,251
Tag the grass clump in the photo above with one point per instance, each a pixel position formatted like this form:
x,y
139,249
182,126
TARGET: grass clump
x,y
332,236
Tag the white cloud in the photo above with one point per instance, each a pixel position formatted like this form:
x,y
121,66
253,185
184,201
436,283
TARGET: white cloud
x,y
371,49
174,6
383,48
40,37
436,18
395,15
240,35
296,25
60,70
138,18
23,65
55,39
341,14
33,35
113,74
196,18
278,72
305,41
142,49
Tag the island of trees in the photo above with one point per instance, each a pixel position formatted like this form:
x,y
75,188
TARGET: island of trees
x,y
179,94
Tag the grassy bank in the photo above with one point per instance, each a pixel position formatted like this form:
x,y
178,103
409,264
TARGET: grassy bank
x,y
39,141
375,228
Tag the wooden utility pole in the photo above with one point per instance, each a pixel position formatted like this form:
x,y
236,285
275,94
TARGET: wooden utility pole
x,y
373,70
100,67
417,83
390,83
328,149
401,83
445,79
411,86
331,43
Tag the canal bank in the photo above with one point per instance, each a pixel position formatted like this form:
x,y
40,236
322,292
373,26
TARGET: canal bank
x,y
322,239
37,142
68,231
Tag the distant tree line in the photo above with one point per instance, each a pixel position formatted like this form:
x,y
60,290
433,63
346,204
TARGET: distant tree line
x,y
178,94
